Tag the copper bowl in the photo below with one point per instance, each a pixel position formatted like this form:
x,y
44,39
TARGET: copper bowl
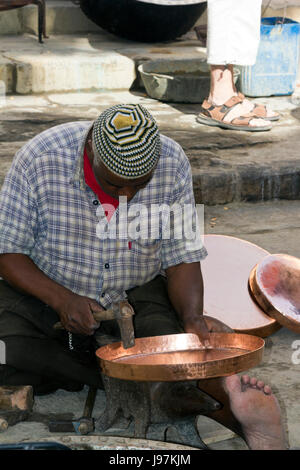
x,y
275,285
181,357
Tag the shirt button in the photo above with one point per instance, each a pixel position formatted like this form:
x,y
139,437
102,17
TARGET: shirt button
x,y
103,294
95,202
106,266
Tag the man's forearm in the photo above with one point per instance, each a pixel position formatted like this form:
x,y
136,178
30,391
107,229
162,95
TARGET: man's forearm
x,y
185,290
21,273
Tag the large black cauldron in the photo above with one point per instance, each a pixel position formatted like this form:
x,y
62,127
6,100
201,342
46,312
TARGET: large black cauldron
x,y
141,21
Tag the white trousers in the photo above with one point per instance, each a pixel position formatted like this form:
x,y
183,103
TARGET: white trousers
x,y
233,31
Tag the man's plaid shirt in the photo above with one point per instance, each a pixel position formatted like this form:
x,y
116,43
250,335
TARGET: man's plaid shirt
x,y
49,213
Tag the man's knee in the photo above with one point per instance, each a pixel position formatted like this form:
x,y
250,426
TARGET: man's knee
x,y
8,296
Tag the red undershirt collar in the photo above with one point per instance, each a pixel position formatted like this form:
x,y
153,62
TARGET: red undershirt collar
x,y
92,183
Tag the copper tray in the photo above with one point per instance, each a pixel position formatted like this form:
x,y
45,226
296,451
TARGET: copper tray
x,y
181,357
225,275
275,284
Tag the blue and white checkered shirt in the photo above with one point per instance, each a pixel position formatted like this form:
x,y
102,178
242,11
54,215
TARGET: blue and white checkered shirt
x,y
49,213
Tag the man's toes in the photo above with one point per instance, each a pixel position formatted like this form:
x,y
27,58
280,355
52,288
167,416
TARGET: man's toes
x,y
253,382
260,384
267,390
232,384
245,379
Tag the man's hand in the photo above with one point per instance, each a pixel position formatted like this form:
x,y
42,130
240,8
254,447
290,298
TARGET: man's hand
x,y
76,314
199,327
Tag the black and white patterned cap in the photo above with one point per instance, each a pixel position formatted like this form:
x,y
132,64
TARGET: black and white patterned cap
x,y
126,139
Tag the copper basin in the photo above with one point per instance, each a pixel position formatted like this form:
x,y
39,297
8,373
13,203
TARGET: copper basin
x,y
181,357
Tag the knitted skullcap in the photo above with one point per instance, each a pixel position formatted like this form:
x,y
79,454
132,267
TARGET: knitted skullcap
x,y
126,139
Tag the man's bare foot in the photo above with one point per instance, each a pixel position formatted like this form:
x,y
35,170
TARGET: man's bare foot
x,y
257,410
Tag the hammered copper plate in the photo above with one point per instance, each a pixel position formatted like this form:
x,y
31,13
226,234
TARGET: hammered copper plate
x,y
181,357
225,273
275,284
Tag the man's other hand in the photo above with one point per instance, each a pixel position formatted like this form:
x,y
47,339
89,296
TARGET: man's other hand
x,y
198,326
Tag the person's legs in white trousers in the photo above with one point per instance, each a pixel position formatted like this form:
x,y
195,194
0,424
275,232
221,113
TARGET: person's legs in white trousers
x,y
233,38
233,31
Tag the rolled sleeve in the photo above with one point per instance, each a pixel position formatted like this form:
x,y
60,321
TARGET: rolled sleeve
x,y
17,212
183,248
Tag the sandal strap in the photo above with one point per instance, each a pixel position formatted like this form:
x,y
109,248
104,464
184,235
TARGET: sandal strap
x,y
260,110
233,101
243,120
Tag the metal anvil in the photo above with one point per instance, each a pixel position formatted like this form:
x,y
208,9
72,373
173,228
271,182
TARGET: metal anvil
x,y
120,311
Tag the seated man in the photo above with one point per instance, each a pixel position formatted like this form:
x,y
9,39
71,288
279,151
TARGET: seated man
x,y
58,264
56,267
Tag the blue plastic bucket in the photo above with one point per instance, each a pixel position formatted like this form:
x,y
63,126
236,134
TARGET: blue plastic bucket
x,y
276,67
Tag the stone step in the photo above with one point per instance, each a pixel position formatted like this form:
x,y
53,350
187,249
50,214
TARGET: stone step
x,y
81,62
63,65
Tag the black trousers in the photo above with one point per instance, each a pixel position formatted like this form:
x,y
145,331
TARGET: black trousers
x,y
40,356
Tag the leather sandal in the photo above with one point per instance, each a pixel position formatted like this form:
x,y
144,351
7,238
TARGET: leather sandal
x,y
260,110
213,115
